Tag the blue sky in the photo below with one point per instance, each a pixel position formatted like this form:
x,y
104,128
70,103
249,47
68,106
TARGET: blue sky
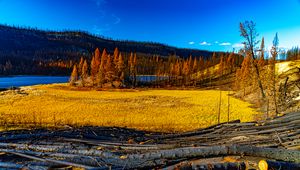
x,y
200,24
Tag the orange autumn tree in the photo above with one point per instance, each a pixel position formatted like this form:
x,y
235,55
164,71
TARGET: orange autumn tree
x,y
74,76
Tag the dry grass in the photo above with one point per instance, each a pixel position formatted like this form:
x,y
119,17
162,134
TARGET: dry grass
x,y
154,110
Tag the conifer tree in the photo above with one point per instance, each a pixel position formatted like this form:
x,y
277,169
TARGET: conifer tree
x,y
190,62
214,59
246,73
97,58
109,70
80,65
221,66
100,75
201,64
195,65
94,70
74,76
134,66
116,60
84,73
120,67
177,71
230,62
186,71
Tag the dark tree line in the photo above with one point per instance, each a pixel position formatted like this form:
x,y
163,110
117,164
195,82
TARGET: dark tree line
x,y
293,54
33,51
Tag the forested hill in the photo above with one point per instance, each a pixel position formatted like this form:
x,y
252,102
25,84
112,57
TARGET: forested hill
x,y
32,51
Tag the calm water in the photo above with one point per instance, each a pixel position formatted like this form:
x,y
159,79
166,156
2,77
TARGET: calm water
x,y
149,78
17,81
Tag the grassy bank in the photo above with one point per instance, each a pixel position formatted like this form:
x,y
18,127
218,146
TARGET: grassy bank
x,y
154,110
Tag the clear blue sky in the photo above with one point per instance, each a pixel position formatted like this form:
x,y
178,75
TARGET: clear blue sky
x,y
201,24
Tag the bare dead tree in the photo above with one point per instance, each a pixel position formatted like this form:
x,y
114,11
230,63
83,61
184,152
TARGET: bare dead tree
x,y
248,31
274,52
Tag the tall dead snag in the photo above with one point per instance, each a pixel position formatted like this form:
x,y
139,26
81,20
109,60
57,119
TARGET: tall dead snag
x,y
274,53
261,61
248,31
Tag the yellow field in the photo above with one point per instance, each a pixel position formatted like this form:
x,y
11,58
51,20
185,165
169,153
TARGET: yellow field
x,y
155,110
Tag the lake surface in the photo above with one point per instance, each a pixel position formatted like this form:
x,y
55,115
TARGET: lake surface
x,y
149,78
17,81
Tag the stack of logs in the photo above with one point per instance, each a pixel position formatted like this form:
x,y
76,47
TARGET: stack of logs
x,y
272,144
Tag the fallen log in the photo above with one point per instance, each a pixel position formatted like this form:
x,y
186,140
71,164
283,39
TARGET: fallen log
x,y
268,164
196,152
190,165
59,149
9,165
59,162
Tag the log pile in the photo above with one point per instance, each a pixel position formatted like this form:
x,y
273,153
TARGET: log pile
x,y
274,143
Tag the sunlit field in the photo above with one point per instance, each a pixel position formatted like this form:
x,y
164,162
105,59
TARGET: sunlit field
x,y
153,110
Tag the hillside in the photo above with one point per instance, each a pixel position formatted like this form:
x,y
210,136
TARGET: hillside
x,y
32,51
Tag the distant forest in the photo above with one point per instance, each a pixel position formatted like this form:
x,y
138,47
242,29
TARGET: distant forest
x,y
37,52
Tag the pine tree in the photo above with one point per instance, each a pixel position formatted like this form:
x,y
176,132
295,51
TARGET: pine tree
x,y
134,70
221,66
115,61
177,71
246,73
214,59
230,62
100,75
80,65
84,73
190,62
97,58
208,71
109,70
186,71
120,66
94,70
201,64
195,65
261,61
74,76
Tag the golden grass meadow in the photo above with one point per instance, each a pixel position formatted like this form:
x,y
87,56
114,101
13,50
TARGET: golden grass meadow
x,y
151,110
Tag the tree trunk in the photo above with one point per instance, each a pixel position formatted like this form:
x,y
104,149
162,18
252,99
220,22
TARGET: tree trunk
x,y
268,164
